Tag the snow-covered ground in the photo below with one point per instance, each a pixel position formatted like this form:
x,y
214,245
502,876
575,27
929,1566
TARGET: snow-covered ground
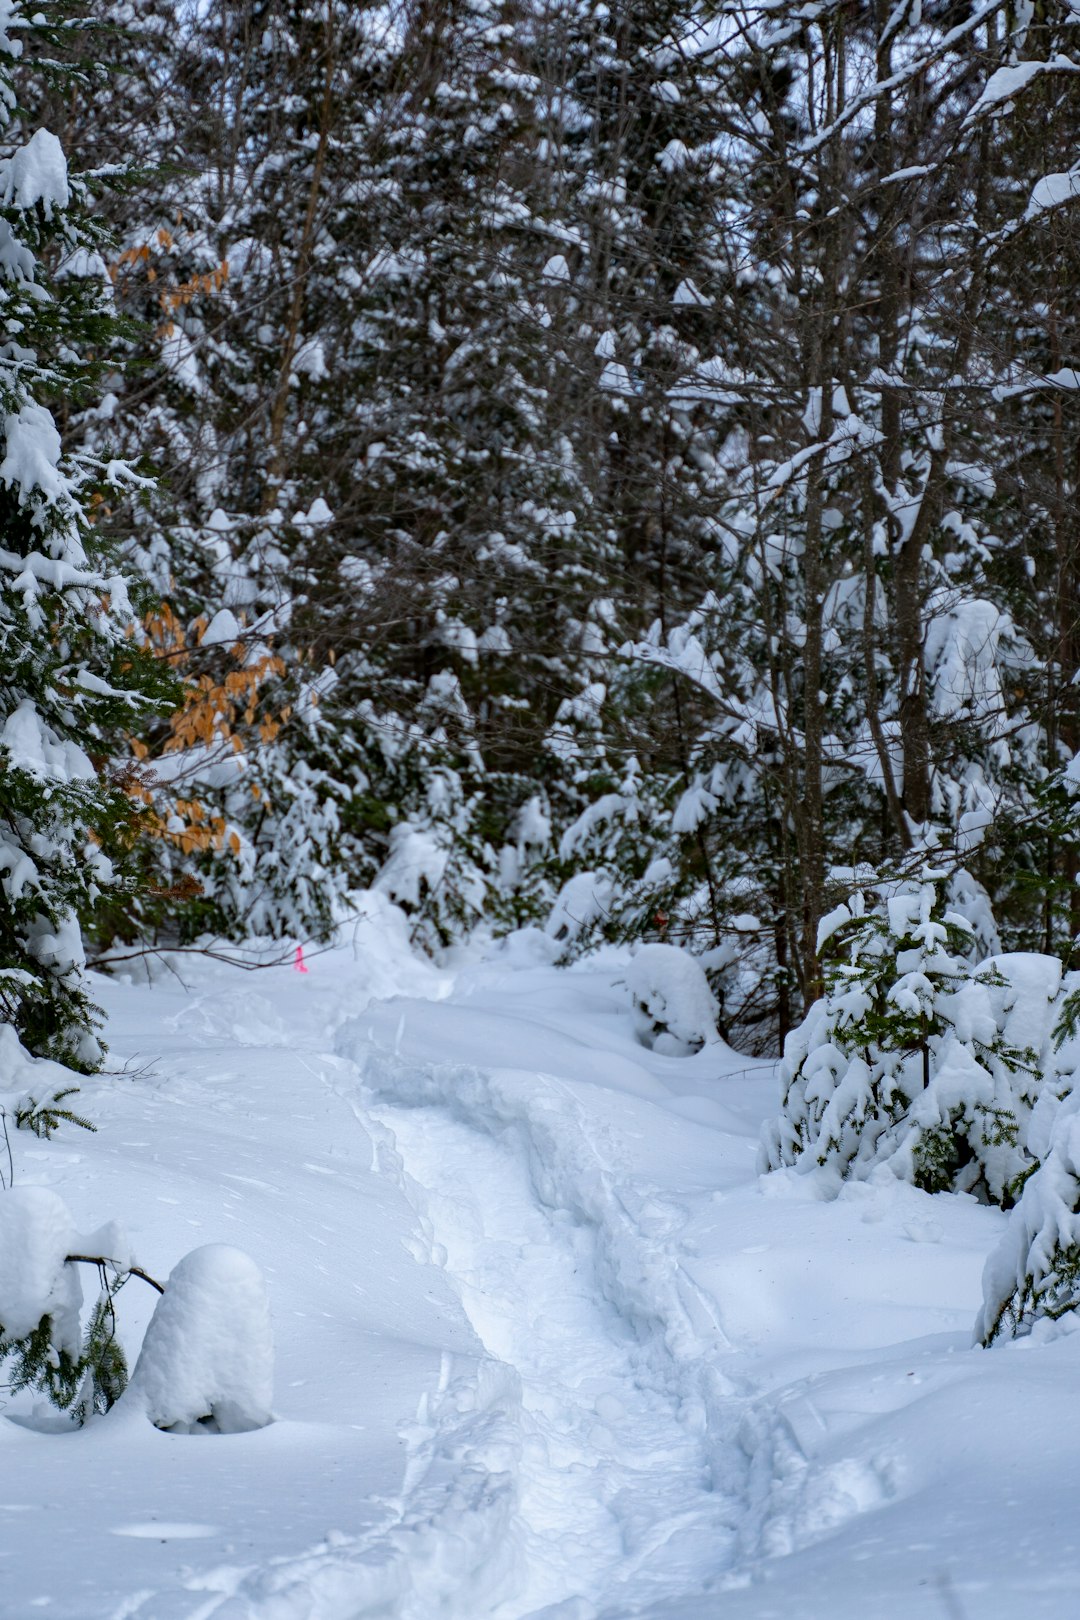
x,y
545,1342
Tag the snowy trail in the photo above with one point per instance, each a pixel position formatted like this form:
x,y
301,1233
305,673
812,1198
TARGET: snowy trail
x,y
563,1463
547,1347
614,1488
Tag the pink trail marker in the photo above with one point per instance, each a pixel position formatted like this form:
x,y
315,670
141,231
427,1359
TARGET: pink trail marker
x,y
298,961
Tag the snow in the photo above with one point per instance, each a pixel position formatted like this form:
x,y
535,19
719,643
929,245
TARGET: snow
x,y
37,173
676,1010
1052,191
615,379
32,454
556,268
222,631
208,1353
23,1076
415,866
32,746
581,901
1005,83
687,293
36,1234
545,1343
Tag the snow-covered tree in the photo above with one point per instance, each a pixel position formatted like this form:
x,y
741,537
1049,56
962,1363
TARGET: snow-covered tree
x,y
1034,1272
916,1057
75,675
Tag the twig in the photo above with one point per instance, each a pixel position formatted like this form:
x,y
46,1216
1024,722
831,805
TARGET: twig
x,y
129,1072
190,950
101,1260
7,1144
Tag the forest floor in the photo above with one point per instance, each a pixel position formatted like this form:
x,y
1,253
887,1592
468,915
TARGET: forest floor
x,y
546,1345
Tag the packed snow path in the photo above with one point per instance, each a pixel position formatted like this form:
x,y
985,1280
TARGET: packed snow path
x,y
614,1496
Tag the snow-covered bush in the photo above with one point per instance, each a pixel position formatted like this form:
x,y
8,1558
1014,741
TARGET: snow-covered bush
x,y
916,1057
1035,1270
206,1365
33,1091
675,1010
616,863
79,1370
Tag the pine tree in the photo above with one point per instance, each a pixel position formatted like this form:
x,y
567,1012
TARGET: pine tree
x,y
913,1057
75,675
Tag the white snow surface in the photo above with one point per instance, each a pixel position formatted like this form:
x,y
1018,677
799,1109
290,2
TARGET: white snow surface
x,y
546,1345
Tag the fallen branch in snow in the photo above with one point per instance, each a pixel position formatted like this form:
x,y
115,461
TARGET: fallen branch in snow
x,y
193,950
102,1260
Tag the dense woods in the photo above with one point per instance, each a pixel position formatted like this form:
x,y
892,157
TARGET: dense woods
x,y
602,472
606,466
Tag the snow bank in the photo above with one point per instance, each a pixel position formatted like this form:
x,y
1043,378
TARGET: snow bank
x,y
675,1009
207,1359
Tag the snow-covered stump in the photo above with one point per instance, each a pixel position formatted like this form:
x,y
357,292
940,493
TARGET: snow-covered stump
x,y
675,1009
206,1365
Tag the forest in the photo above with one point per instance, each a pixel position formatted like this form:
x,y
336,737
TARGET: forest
x,y
591,480
610,464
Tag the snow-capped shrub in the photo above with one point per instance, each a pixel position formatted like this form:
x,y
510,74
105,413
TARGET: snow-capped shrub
x,y
581,901
1035,1270
33,1091
206,1364
916,1057
207,1359
617,863
40,1304
40,1296
674,1007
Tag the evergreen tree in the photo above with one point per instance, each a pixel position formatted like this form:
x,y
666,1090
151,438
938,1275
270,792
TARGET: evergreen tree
x,y
74,675
917,1057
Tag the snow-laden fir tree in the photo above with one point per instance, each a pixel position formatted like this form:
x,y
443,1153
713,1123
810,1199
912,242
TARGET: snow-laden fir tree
x,y
73,674
1034,1273
916,1057
222,262
454,582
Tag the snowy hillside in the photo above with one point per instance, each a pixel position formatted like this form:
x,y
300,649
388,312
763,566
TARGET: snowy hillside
x,y
545,1342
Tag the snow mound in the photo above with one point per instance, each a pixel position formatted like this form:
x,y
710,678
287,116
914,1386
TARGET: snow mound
x,y
24,1078
581,901
675,1009
207,1360
36,1235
